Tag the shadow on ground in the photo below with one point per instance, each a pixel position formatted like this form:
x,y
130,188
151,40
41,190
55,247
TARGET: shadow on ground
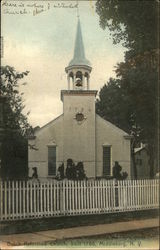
x,y
36,225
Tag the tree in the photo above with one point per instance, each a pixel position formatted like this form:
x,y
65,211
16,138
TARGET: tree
x,y
14,148
9,88
115,106
135,23
138,82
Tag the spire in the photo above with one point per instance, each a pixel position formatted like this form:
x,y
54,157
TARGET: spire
x,y
79,69
79,53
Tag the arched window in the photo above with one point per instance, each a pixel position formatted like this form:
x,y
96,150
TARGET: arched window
x,y
71,75
79,75
86,76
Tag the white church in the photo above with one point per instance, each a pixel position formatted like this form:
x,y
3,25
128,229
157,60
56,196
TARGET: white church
x,y
79,133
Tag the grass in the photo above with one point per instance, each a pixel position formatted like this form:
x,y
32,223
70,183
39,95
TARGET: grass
x,y
35,225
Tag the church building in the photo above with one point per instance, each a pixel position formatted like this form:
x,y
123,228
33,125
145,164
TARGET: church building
x,y
79,133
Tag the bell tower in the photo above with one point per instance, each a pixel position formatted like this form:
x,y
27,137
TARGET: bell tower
x,y
79,68
79,110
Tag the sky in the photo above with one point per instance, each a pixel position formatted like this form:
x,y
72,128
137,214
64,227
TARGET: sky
x,y
41,40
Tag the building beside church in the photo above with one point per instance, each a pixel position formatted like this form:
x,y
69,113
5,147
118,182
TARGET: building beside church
x,y
142,162
79,133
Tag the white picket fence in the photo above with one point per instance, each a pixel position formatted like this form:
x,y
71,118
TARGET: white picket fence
x,y
33,199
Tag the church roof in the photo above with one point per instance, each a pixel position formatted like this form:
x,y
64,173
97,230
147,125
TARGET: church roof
x,y
79,53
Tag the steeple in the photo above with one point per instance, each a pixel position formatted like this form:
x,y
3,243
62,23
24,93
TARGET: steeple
x,y
79,53
79,67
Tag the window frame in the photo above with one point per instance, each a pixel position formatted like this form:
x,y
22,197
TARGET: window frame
x,y
48,147
110,170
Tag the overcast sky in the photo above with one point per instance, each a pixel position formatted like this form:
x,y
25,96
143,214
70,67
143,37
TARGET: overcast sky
x,y
44,43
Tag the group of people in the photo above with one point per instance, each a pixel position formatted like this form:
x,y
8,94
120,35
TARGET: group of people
x,y
76,172
73,172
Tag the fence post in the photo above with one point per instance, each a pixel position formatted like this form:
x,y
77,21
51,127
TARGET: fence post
x,y
116,194
61,197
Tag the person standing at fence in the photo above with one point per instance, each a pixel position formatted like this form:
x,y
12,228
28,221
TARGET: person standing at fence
x,y
35,174
61,172
117,172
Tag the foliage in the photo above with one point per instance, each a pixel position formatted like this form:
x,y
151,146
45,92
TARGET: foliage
x,y
115,105
139,80
140,87
14,155
111,102
135,24
14,147
9,87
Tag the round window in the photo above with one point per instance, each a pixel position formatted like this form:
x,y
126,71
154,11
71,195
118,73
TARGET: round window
x,y
79,117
